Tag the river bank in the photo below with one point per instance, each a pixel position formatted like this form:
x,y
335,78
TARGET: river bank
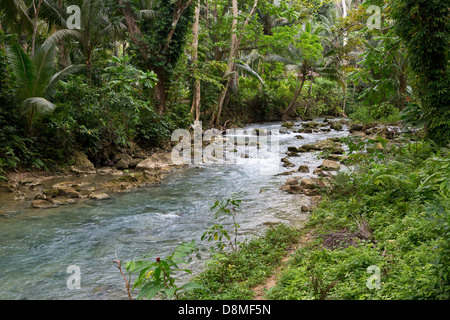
x,y
379,232
155,219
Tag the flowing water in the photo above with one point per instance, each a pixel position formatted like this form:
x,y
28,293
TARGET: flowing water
x,y
37,246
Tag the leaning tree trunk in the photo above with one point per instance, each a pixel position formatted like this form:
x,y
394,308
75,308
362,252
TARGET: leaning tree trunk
x,y
290,111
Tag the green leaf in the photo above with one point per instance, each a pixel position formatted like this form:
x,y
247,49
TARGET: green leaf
x,y
170,292
149,292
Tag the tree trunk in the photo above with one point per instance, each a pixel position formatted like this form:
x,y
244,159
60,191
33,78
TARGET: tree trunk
x,y
197,92
290,111
64,57
235,43
161,91
35,22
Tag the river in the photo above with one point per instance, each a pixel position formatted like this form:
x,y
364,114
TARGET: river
x,y
37,246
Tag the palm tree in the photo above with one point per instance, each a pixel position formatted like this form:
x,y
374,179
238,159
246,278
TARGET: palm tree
x,y
95,26
36,77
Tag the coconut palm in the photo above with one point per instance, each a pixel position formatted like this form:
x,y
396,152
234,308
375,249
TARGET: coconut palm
x,y
36,77
95,27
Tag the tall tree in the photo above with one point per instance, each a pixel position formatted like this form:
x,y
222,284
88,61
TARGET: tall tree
x,y
160,41
234,47
424,27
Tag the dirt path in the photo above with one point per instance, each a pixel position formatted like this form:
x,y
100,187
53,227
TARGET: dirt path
x,y
261,290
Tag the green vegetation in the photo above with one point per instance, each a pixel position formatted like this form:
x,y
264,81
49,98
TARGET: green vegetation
x,y
392,214
231,275
136,70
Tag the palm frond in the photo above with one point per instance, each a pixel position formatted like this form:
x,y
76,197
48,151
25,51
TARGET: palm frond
x,y
64,34
16,14
61,75
35,107
247,69
43,63
23,69
53,14
277,58
147,14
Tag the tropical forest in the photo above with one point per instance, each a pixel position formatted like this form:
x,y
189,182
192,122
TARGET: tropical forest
x,y
224,150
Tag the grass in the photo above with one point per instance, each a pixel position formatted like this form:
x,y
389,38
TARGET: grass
x,y
232,275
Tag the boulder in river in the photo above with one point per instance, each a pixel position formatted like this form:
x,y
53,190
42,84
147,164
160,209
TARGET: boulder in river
x,y
330,165
303,169
43,204
97,195
288,125
158,161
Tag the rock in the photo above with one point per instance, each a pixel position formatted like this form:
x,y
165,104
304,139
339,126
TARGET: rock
x,y
336,126
61,201
98,196
68,192
292,149
286,173
331,146
310,147
310,125
82,165
40,196
158,161
288,125
325,130
305,130
306,209
7,187
109,171
133,163
292,182
131,182
296,189
122,165
122,156
35,184
320,172
356,127
43,204
293,154
333,157
303,169
288,165
51,192
285,131
299,137
307,183
330,165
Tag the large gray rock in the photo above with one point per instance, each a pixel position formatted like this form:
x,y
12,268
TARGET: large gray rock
x,y
82,165
158,161
330,165
43,204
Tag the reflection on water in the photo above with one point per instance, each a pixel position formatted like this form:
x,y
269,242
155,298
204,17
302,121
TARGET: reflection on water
x,y
37,246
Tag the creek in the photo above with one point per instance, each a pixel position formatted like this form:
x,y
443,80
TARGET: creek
x,y
37,246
